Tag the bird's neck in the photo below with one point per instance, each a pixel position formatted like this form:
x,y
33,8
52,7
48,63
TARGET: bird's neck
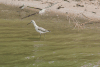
x,y
35,25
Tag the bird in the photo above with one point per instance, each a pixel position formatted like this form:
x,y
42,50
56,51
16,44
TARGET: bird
x,y
30,15
22,7
60,7
39,29
41,12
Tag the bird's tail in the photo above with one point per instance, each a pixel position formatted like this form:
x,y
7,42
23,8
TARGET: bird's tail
x,y
49,31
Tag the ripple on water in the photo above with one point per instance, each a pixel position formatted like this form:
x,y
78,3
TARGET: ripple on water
x,y
51,62
33,64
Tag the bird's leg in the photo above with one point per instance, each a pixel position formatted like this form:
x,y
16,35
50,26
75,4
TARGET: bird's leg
x,y
44,36
40,35
19,13
22,9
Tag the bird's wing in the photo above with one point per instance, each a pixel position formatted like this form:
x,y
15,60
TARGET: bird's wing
x,y
35,8
52,5
60,7
42,29
20,6
30,15
38,8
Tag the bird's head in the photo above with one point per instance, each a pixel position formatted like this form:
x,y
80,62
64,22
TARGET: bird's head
x,y
43,10
32,21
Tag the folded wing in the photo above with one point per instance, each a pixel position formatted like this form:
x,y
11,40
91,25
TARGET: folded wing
x,y
42,29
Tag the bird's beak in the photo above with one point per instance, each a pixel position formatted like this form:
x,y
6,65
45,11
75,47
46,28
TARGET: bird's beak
x,y
28,23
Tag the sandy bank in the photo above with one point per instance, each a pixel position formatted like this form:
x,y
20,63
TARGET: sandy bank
x,y
90,9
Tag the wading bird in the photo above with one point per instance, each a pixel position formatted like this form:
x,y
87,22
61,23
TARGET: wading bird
x,y
39,29
41,11
22,7
60,7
